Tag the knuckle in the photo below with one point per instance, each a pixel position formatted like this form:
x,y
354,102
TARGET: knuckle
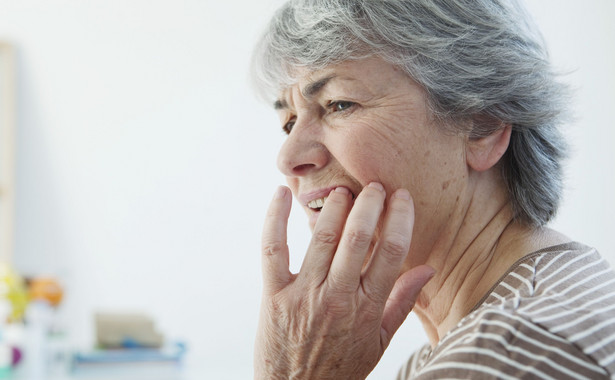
x,y
273,248
394,247
338,309
326,237
400,206
340,283
338,304
358,238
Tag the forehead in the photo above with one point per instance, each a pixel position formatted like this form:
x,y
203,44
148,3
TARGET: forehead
x,y
373,75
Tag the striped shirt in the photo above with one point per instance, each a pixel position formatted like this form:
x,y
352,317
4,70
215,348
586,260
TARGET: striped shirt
x,y
551,316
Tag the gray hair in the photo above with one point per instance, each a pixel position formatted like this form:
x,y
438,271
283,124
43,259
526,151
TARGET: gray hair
x,y
482,63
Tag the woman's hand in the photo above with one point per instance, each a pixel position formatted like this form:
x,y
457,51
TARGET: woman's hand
x,y
335,318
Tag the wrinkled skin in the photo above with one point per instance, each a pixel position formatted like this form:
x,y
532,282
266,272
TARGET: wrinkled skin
x,y
362,132
335,318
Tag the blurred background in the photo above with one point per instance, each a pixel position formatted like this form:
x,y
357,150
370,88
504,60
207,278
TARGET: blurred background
x,y
144,163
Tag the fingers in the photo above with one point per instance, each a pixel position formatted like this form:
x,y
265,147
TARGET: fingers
x,y
356,240
342,239
402,299
274,248
326,235
392,247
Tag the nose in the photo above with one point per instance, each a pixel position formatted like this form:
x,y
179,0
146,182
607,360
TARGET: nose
x,y
303,152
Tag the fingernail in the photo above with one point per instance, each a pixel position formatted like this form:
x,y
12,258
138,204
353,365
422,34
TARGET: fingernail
x,y
376,185
280,192
433,273
402,194
342,190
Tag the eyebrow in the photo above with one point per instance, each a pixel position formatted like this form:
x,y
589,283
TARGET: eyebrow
x,y
280,104
309,91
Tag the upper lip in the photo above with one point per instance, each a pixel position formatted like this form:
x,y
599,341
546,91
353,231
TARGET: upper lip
x,y
305,198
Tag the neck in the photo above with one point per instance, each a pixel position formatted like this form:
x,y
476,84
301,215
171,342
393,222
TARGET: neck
x,y
479,243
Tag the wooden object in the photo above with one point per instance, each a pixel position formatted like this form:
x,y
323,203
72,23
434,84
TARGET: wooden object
x,y
7,151
116,330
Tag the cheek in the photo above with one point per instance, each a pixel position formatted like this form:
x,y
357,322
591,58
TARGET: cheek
x,y
422,161
380,151
364,154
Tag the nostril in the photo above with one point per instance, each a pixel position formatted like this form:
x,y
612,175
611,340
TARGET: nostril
x,y
301,169
302,154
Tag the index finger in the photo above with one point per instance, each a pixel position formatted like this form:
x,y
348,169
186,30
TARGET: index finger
x,y
357,238
274,244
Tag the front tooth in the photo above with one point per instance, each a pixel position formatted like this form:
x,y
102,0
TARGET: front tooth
x,y
317,203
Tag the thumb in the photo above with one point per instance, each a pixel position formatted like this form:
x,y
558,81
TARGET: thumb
x,y
402,299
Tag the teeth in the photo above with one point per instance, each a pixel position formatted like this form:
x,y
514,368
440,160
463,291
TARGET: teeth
x,y
317,203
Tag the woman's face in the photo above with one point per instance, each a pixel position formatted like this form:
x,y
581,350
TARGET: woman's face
x,y
362,121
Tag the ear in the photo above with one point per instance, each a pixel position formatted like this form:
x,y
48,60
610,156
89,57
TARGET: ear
x,y
483,153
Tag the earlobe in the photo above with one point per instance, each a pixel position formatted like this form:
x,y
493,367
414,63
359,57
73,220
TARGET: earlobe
x,y
483,153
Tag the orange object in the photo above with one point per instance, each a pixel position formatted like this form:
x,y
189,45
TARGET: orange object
x,y
47,289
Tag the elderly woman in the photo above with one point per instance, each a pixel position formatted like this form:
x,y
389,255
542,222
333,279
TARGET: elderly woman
x,y
423,145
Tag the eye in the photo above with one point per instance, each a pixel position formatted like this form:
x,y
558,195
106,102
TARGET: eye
x,y
288,127
340,106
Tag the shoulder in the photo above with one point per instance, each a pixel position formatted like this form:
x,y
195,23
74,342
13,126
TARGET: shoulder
x,y
551,316
560,276
499,343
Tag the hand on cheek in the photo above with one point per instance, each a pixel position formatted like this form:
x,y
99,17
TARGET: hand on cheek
x,y
334,319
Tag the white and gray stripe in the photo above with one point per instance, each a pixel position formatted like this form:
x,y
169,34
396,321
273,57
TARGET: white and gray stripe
x,y
552,316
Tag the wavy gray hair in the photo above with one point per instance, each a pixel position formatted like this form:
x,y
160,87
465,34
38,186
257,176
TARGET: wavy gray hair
x,y
482,64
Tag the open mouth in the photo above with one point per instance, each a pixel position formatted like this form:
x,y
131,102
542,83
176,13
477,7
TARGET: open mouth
x,y
316,204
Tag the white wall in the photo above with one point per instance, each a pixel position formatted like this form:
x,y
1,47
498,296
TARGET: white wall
x,y
145,164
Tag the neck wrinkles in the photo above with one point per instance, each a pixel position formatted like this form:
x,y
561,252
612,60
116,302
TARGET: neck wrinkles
x,y
467,262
